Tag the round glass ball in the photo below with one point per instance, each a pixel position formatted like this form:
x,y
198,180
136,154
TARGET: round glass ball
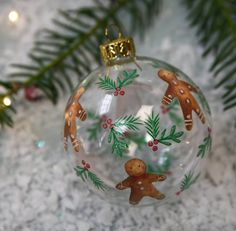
x,y
137,132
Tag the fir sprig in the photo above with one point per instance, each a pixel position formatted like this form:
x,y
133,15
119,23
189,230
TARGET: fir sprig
x,y
119,146
72,46
188,180
85,174
116,135
127,123
95,128
216,27
172,136
205,146
126,79
106,83
152,125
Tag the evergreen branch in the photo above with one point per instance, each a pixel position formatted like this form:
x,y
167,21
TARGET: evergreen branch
x,y
85,174
118,146
152,125
216,23
71,46
95,127
137,139
173,136
106,83
205,146
127,123
188,180
128,78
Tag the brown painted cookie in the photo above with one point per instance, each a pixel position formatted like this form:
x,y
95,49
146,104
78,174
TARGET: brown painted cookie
x,y
182,91
73,110
140,182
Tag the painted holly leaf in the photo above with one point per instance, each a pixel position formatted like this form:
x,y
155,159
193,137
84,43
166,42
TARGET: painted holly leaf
x,y
205,146
188,180
172,136
128,78
85,175
152,125
106,83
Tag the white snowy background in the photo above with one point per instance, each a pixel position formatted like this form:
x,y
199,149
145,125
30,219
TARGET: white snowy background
x,y
38,192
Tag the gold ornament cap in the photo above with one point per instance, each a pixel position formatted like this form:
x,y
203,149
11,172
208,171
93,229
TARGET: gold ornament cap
x,y
117,51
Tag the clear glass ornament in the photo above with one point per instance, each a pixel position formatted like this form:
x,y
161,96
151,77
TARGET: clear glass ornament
x,y
137,131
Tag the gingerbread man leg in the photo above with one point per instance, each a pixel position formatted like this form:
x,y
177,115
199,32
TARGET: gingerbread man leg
x,y
157,195
187,112
199,112
135,197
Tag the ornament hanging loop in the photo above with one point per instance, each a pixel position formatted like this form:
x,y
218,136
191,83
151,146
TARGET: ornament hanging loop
x,y
114,27
117,51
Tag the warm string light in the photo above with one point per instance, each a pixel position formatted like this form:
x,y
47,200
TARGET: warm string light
x,y
13,16
7,101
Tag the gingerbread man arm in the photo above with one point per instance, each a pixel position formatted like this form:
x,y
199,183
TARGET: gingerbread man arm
x,y
124,184
168,97
73,110
189,86
155,177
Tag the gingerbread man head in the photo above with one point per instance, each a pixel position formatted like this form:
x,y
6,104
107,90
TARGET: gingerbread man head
x,y
167,75
135,167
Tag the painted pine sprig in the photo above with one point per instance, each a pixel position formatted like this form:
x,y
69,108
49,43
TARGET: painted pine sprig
x,y
152,125
189,179
172,136
127,78
119,146
85,174
205,146
95,128
108,84
117,133
127,123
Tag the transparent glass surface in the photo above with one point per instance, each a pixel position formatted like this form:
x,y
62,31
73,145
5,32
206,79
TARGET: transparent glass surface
x,y
168,148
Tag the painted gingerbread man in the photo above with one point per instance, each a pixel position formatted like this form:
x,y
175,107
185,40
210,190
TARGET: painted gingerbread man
x,y
73,110
140,182
182,91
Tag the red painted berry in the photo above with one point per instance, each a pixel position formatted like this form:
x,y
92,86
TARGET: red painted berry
x,y
122,92
115,93
155,141
150,143
118,89
154,148
104,126
209,130
87,165
83,162
104,118
109,121
126,134
178,193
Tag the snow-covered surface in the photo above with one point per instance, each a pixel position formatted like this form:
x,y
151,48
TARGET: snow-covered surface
x,y
38,192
